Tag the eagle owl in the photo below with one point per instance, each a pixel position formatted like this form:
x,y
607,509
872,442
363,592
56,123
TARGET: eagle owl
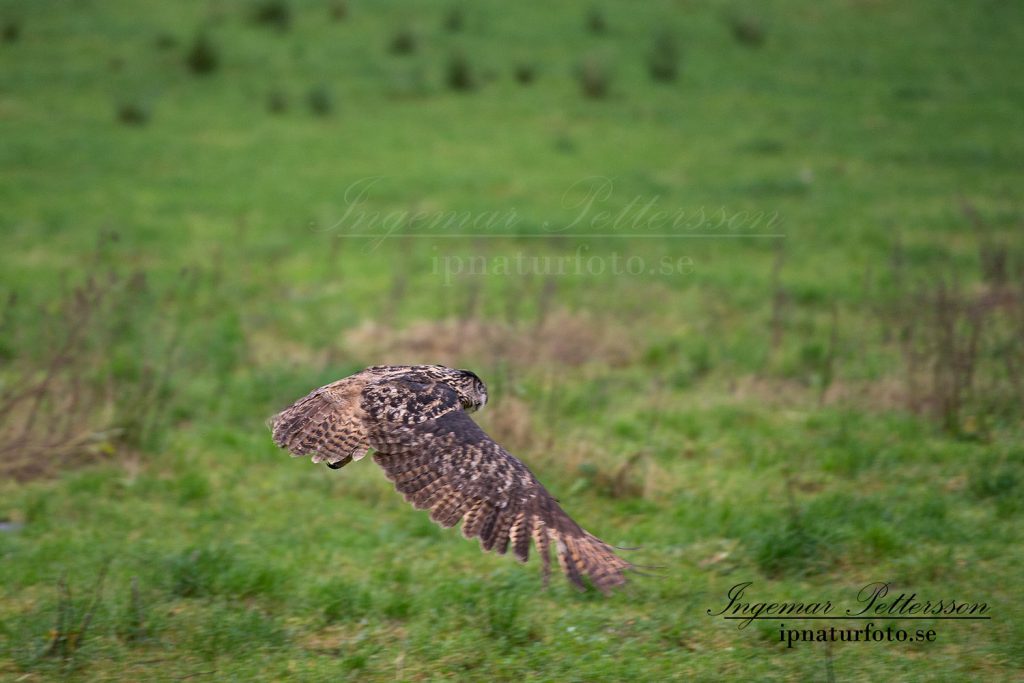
x,y
416,419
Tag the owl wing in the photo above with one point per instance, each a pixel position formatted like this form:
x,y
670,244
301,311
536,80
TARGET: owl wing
x,y
329,424
450,466
333,423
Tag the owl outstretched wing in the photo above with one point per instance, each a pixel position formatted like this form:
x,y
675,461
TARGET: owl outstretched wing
x,y
329,424
451,467
333,423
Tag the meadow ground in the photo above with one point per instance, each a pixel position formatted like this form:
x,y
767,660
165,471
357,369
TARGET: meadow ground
x,y
811,381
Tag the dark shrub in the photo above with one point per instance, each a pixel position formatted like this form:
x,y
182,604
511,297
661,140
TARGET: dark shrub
x,y
594,78
455,20
525,73
747,31
277,101
320,100
663,62
403,42
459,73
273,13
11,32
132,114
203,57
165,41
339,10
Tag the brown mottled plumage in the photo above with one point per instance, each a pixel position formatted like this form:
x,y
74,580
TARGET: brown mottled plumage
x,y
416,420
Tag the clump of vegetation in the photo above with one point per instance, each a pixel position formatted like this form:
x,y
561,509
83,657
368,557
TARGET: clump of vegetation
x,y
989,482
455,19
196,571
344,601
320,100
277,101
459,73
165,41
620,481
203,57
801,542
596,22
134,624
959,353
504,621
133,114
273,13
11,32
403,42
98,372
71,626
339,10
747,30
593,77
525,73
663,60
963,360
412,80
89,385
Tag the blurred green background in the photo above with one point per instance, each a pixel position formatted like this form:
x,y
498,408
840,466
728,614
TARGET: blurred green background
x,y
812,380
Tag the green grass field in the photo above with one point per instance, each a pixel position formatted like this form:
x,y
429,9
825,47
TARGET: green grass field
x,y
799,366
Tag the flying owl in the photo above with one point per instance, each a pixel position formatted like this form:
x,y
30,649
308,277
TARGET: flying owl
x,y
416,419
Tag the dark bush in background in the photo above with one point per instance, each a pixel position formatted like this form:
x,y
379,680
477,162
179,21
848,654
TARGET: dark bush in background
x,y
132,114
277,101
165,41
403,42
596,22
455,19
459,74
525,73
663,61
320,100
203,57
11,32
339,10
273,13
747,31
593,77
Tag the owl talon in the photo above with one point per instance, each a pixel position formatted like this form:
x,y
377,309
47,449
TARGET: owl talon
x,y
341,463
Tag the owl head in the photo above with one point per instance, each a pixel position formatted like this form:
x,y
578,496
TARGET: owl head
x,y
471,389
